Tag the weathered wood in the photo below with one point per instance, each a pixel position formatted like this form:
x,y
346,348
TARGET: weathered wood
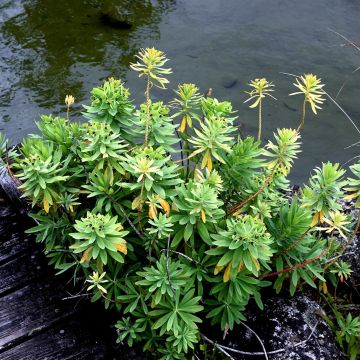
x,y
30,310
35,321
21,271
13,246
63,342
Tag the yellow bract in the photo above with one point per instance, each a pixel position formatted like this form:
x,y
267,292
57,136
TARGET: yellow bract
x,y
69,100
337,222
150,64
312,88
261,88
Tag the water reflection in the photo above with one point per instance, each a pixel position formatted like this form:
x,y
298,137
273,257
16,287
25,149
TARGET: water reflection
x,y
50,48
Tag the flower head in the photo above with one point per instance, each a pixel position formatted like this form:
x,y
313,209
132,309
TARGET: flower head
x,y
69,100
312,88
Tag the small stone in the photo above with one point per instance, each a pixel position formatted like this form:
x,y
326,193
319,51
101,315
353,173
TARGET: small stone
x,y
228,82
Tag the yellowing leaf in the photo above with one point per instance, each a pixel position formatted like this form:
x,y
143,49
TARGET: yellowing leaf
x,y
218,269
152,211
324,287
209,163
137,203
189,121
227,272
182,127
46,205
203,215
256,263
315,219
122,248
86,256
174,207
165,205
197,174
350,196
205,159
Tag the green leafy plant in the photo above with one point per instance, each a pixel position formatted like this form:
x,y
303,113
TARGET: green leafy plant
x,y
184,227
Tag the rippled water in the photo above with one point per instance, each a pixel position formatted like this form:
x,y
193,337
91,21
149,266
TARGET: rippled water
x,y
51,48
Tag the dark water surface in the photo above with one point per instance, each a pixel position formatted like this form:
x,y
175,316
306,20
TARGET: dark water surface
x,y
52,48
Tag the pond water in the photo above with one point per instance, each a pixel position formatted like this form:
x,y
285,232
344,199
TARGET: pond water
x,y
52,48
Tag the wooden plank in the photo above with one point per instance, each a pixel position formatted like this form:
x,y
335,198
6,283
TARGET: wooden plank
x,y
63,342
14,245
21,271
31,310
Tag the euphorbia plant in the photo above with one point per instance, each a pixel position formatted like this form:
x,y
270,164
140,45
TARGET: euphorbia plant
x,y
173,235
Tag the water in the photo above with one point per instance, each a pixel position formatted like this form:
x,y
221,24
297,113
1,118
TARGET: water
x,y
51,48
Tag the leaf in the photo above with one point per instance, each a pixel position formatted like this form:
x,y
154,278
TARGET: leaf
x,y
188,231
203,215
121,247
46,205
204,233
227,272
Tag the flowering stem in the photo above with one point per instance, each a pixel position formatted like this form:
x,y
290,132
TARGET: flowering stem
x,y
302,119
147,94
260,122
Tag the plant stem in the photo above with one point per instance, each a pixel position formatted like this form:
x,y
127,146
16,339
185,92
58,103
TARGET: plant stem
x,y
297,266
253,196
302,119
285,251
260,120
147,94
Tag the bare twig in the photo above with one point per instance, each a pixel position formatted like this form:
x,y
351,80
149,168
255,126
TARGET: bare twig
x,y
75,296
167,266
223,348
116,205
346,39
181,254
342,110
337,257
257,336
219,347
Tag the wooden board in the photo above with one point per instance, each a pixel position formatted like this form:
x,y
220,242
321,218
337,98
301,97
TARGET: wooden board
x,y
35,321
30,310
21,271
63,342
13,245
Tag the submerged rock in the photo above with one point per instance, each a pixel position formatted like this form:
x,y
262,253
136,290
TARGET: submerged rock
x,y
228,82
117,15
286,322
